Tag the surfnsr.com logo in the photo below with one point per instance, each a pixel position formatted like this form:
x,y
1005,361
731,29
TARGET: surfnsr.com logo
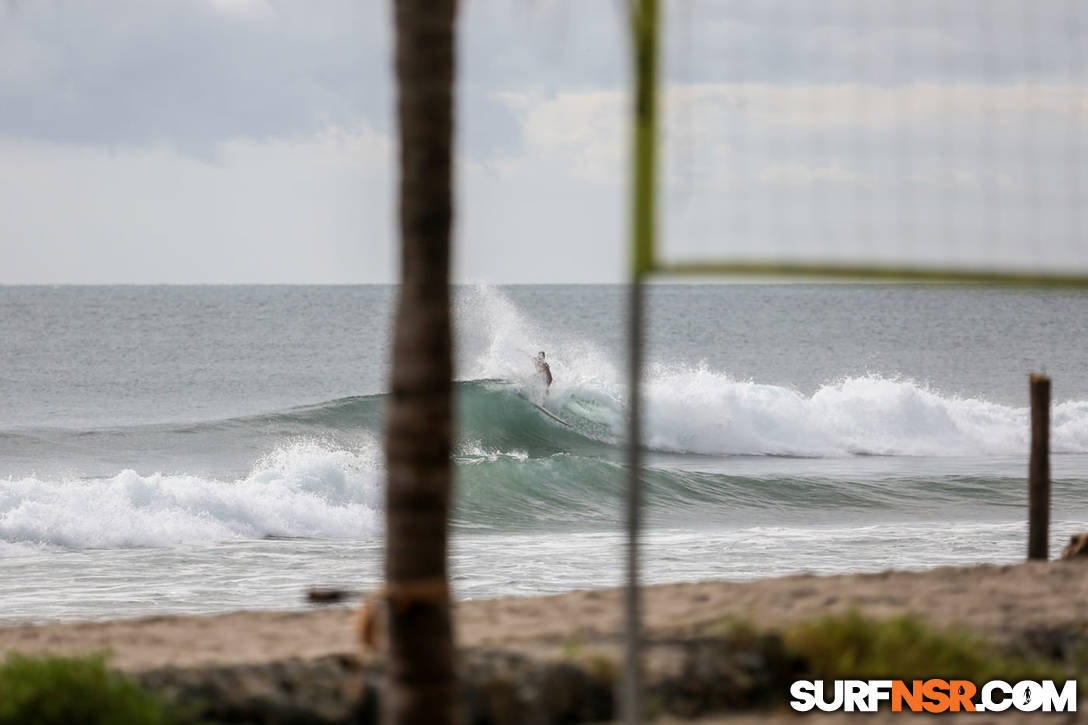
x,y
933,696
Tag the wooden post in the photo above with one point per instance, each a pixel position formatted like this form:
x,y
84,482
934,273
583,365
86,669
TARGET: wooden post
x,y
1039,469
644,27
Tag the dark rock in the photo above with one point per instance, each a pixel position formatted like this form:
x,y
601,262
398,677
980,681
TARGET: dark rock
x,y
721,674
703,675
322,691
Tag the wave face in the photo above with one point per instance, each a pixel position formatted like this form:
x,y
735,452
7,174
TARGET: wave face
x,y
518,468
698,411
688,411
721,451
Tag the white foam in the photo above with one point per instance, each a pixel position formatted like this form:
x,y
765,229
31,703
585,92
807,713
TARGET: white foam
x,y
306,489
693,409
474,452
702,411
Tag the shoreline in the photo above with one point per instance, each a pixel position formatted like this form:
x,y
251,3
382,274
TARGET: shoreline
x,y
998,601
555,658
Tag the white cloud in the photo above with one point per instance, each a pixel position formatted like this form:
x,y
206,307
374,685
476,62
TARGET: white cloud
x,y
249,140
584,129
280,211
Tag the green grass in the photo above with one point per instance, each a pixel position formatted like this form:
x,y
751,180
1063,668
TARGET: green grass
x,y
64,691
60,691
850,645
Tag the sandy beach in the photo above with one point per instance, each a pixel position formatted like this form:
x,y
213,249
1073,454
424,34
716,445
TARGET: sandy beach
x,y
1001,602
1030,606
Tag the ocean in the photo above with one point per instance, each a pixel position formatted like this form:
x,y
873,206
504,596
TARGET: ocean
x,y
204,449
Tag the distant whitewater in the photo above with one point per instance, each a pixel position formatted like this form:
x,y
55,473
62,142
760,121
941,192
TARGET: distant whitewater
x,y
182,495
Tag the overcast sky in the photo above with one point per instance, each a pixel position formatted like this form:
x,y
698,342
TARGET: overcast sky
x,y
222,141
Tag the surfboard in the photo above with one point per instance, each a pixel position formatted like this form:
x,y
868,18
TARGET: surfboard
x,y
550,414
544,410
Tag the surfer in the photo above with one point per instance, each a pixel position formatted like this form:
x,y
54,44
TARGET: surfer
x,y
544,370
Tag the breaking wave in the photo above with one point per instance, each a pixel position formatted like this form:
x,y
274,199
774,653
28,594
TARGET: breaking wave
x,y
302,490
318,469
692,411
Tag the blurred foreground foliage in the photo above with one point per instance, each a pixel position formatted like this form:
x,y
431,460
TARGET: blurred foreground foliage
x,y
852,646
68,690
756,673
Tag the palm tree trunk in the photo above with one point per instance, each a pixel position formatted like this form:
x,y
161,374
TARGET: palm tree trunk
x,y
420,685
